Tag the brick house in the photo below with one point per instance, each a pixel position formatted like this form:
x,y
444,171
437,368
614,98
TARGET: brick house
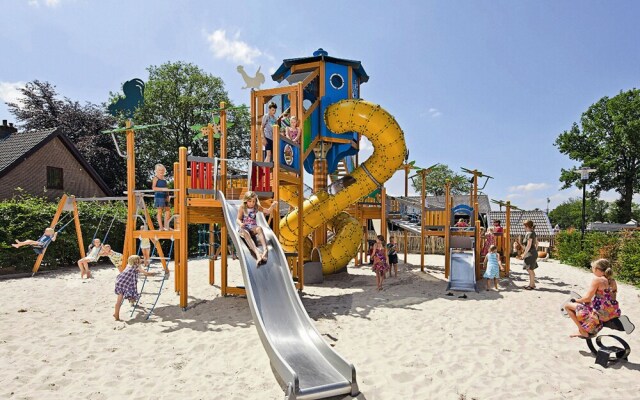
x,y
45,163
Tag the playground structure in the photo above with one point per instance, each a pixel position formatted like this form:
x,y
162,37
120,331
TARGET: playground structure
x,y
463,245
320,91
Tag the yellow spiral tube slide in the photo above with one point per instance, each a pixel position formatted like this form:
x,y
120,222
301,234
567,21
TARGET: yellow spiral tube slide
x,y
387,139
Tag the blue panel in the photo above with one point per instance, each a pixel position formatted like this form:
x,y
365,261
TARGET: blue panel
x,y
290,155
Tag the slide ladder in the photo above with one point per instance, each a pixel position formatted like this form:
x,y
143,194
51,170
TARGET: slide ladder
x,y
303,361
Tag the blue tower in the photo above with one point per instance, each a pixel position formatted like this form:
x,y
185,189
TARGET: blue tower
x,y
337,79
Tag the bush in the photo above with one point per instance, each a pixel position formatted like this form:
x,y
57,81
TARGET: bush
x,y
622,249
26,217
628,265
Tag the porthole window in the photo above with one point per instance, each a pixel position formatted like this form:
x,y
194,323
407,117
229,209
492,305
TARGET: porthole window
x,y
336,81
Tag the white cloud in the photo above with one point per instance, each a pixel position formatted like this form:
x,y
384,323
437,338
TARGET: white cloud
x,y
232,49
512,196
366,146
46,3
432,112
9,91
529,187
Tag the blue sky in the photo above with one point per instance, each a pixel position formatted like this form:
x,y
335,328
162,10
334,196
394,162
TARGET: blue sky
x,y
475,84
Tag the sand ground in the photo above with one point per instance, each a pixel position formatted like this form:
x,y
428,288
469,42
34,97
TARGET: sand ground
x,y
58,339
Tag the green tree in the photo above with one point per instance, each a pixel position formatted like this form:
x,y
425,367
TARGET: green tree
x,y
42,108
436,179
178,96
615,212
607,139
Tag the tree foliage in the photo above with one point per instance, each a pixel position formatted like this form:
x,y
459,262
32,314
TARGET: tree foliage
x,y
436,179
607,139
42,108
569,213
178,96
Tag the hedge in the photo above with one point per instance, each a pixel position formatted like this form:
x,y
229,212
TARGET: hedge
x,y
26,217
621,248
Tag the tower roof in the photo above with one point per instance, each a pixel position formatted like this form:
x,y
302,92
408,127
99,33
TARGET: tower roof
x,y
320,55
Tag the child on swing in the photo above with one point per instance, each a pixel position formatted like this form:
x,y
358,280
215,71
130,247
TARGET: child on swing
x,y
247,221
47,237
127,283
92,256
114,256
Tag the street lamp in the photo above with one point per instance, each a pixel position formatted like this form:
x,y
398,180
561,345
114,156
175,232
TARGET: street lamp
x,y
584,177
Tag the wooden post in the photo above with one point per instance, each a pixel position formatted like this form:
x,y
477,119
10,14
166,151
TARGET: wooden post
x,y
223,185
423,205
183,233
406,195
507,239
129,241
178,223
211,154
76,218
447,229
383,213
298,96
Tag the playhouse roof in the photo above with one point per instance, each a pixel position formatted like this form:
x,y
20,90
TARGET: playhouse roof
x,y
539,218
358,69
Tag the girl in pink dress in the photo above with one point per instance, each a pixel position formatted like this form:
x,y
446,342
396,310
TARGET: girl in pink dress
x,y
293,132
380,260
599,305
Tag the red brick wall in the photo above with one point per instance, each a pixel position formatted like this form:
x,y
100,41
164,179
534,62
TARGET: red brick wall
x,y
31,174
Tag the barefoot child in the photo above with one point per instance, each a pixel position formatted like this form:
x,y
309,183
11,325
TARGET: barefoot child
x,y
127,283
392,252
492,266
161,197
247,221
47,237
599,305
145,247
380,261
92,256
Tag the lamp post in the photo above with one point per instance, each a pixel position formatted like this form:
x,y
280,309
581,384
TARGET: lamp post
x,y
584,177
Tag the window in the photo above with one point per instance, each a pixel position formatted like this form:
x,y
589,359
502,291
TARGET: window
x,y
336,81
54,178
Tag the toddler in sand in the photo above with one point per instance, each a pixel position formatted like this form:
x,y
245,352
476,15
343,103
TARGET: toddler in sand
x,y
380,261
127,283
492,266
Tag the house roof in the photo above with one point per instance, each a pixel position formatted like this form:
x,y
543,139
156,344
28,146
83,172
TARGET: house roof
x,y
539,218
610,227
19,146
320,55
438,201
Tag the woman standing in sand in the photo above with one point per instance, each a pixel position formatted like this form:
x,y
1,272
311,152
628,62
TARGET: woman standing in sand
x,y
380,261
530,254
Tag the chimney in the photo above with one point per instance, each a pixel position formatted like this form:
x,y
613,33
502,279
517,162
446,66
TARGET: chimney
x,y
6,130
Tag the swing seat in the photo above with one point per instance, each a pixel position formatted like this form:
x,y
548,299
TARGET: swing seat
x,y
40,249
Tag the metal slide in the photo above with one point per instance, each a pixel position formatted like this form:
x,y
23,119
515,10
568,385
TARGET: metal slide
x,y
301,358
463,272
462,258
